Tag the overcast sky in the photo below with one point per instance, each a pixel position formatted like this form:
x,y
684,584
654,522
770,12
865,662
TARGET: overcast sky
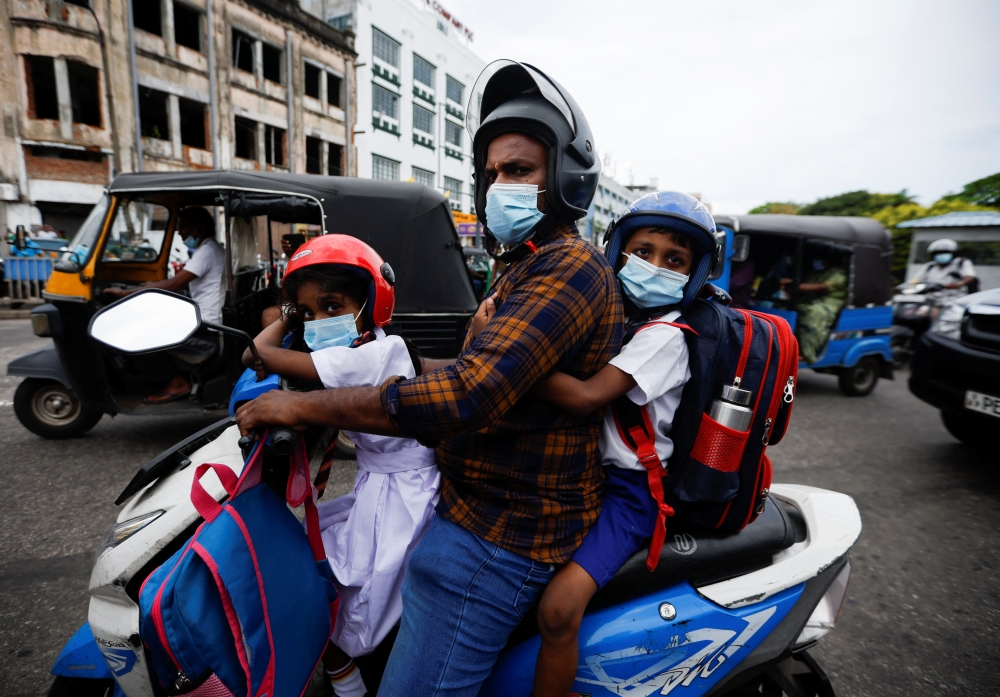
x,y
748,102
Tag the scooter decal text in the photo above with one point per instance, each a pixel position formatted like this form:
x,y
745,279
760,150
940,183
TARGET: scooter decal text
x,y
675,667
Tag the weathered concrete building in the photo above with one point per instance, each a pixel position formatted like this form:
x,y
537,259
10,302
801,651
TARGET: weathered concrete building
x,y
91,88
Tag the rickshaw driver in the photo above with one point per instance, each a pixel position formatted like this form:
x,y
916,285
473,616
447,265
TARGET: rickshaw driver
x,y
202,276
521,479
824,292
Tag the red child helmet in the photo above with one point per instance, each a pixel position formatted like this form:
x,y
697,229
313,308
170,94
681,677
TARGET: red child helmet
x,y
344,250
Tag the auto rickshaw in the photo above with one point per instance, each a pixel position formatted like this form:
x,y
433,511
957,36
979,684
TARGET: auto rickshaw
x,y
769,257
127,240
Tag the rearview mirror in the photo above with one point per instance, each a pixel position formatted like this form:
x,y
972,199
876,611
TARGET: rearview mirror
x,y
150,320
741,247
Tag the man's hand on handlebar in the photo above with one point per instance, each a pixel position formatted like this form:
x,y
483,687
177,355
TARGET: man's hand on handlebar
x,y
276,408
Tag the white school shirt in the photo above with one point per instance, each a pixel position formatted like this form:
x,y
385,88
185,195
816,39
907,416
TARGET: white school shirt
x,y
369,533
657,359
207,263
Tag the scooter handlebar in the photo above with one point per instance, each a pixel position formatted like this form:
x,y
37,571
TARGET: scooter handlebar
x,y
283,440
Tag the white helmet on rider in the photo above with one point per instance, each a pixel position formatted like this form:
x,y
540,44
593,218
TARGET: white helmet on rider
x,y
942,250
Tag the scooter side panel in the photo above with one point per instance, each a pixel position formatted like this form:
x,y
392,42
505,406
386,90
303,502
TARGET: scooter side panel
x,y
81,658
631,650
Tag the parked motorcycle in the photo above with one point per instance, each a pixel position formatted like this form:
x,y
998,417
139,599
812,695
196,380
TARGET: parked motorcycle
x,y
912,307
721,615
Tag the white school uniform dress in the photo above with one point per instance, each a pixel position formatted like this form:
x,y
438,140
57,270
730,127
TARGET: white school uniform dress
x,y
369,533
657,359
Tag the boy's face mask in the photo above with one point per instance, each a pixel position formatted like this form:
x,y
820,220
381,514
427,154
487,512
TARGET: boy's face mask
x,y
332,331
650,286
512,212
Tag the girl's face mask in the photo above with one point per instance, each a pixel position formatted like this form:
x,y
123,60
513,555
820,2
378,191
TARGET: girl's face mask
x,y
650,286
332,331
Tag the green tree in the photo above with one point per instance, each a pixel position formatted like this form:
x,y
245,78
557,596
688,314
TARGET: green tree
x,y
855,203
786,207
982,192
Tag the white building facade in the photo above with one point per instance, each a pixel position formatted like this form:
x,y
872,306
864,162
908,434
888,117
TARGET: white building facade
x,y
415,71
610,202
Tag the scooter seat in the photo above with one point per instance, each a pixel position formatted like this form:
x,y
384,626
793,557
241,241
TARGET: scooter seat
x,y
705,557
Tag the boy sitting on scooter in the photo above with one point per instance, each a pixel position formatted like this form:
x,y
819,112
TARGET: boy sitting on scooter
x,y
340,296
662,250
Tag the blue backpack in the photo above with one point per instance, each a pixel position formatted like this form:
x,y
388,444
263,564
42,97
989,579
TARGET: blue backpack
x,y
717,478
247,605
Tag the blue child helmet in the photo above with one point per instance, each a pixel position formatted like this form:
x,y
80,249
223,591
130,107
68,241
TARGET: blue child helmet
x,y
676,211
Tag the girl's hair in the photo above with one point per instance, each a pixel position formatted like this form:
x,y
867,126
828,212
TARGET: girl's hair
x,y
331,278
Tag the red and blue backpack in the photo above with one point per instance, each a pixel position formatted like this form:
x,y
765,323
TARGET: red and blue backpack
x,y
717,478
245,608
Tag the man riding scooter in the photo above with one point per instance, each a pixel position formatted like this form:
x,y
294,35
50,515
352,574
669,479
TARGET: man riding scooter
x,y
202,276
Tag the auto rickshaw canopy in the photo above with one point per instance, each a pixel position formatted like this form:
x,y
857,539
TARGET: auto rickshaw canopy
x,y
408,224
869,241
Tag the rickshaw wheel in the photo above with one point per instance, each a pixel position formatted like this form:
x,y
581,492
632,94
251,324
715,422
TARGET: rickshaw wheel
x,y
51,410
861,379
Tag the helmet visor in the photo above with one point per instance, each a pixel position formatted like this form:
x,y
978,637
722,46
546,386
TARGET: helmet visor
x,y
513,79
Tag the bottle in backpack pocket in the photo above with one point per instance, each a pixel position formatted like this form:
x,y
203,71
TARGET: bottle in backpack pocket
x,y
732,410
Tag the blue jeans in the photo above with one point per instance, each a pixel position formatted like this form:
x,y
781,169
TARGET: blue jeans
x,y
462,598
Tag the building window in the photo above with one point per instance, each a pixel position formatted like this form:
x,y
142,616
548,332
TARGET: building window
x,y
454,89
146,16
43,99
66,153
384,48
78,3
453,133
242,51
384,168
423,72
314,155
271,58
335,160
341,22
385,102
333,89
274,146
83,93
246,138
423,119
153,119
453,188
192,123
187,26
312,78
423,176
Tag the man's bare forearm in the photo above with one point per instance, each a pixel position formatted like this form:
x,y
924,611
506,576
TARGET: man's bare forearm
x,y
352,408
429,364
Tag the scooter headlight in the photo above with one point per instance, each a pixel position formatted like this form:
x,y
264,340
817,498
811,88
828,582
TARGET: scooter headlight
x,y
120,532
825,614
949,323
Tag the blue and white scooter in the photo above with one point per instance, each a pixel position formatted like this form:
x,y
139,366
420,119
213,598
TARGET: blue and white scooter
x,y
721,615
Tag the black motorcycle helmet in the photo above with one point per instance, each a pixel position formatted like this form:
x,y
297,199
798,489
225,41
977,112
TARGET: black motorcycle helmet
x,y
519,98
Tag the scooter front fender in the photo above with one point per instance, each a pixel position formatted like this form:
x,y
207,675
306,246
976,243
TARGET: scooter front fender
x,y
81,657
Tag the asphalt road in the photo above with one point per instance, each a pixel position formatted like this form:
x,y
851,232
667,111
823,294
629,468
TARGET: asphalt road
x,y
923,610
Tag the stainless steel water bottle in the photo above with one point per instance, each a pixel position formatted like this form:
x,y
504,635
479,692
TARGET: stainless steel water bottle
x,y
732,409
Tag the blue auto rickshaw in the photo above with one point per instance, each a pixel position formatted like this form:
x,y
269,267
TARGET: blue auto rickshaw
x,y
771,262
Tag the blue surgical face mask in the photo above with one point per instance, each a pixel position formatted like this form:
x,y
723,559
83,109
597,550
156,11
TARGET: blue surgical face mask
x,y
512,212
943,257
332,331
818,264
190,242
650,286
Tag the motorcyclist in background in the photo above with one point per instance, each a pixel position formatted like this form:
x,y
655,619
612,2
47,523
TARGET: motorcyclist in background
x,y
956,274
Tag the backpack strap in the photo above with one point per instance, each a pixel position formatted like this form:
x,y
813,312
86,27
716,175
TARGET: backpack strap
x,y
637,434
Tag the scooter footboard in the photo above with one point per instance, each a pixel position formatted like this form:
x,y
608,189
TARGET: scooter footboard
x,y
675,642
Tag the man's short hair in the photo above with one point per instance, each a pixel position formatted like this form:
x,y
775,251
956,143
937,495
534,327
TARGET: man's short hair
x,y
196,220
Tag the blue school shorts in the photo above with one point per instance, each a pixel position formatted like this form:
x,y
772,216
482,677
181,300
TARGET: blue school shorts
x,y
627,519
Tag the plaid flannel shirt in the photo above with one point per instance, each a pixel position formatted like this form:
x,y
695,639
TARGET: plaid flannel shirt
x,y
518,471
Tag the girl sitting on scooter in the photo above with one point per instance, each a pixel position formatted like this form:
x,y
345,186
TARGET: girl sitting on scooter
x,y
339,295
